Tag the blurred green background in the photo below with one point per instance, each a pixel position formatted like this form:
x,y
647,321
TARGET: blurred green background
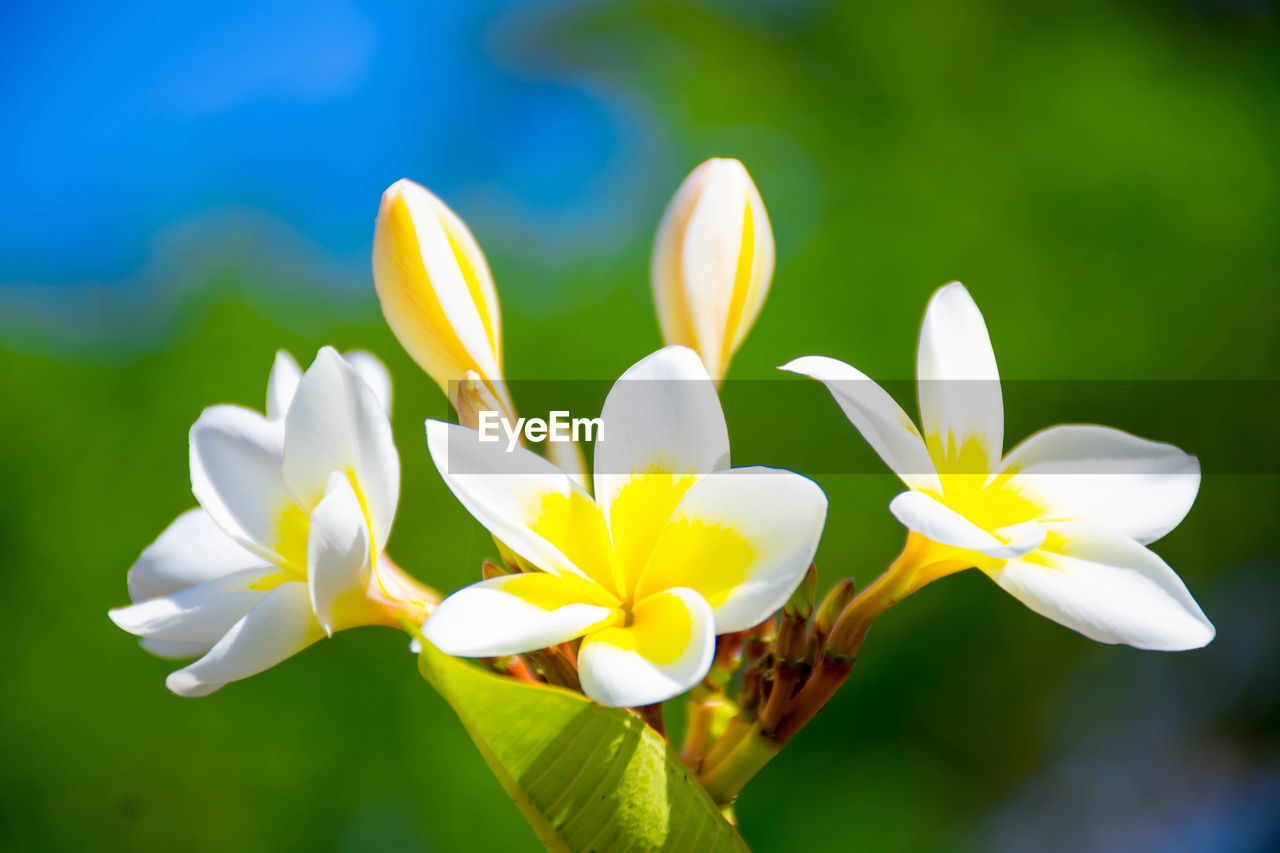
x,y
1103,176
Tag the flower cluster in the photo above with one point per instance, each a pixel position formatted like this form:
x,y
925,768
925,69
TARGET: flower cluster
x,y
666,570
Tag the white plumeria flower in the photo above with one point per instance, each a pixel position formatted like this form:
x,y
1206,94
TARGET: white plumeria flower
x,y
1060,522
285,547
712,262
674,548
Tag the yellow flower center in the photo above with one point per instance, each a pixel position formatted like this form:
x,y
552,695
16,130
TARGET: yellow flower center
x,y
963,473
293,531
624,560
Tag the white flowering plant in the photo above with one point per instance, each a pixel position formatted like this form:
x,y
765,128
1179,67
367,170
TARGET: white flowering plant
x,y
660,570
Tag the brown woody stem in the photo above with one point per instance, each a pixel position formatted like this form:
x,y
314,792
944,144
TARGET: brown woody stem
x,y
556,667
652,715
513,666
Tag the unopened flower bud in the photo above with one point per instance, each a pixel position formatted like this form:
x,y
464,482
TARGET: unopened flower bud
x,y
800,605
833,605
435,287
712,262
490,569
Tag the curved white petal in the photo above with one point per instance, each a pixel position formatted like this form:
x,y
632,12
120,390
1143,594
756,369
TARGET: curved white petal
x,y
190,551
961,410
666,650
236,455
282,384
1109,588
1105,476
874,413
339,565
508,493
512,614
569,458
175,649
336,423
279,626
937,521
709,255
661,416
201,613
742,539
374,373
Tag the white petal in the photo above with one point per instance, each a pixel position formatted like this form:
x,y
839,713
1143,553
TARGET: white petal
x,y
711,248
742,539
337,424
201,613
687,309
958,383
569,458
666,650
374,373
190,551
937,521
1109,588
175,649
662,415
874,413
1107,477
505,492
338,556
236,456
281,384
279,626
512,614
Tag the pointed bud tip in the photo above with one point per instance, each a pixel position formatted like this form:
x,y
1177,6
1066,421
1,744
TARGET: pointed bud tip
x,y
398,188
834,604
722,165
408,192
800,605
490,570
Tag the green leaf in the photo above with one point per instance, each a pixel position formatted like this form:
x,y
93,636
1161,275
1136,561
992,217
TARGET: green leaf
x,y
586,777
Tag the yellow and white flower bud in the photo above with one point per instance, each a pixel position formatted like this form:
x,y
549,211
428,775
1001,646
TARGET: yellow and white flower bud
x,y
712,262
435,287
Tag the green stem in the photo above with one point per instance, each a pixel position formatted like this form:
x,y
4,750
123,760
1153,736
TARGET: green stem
x,y
752,753
921,562
733,735
725,779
